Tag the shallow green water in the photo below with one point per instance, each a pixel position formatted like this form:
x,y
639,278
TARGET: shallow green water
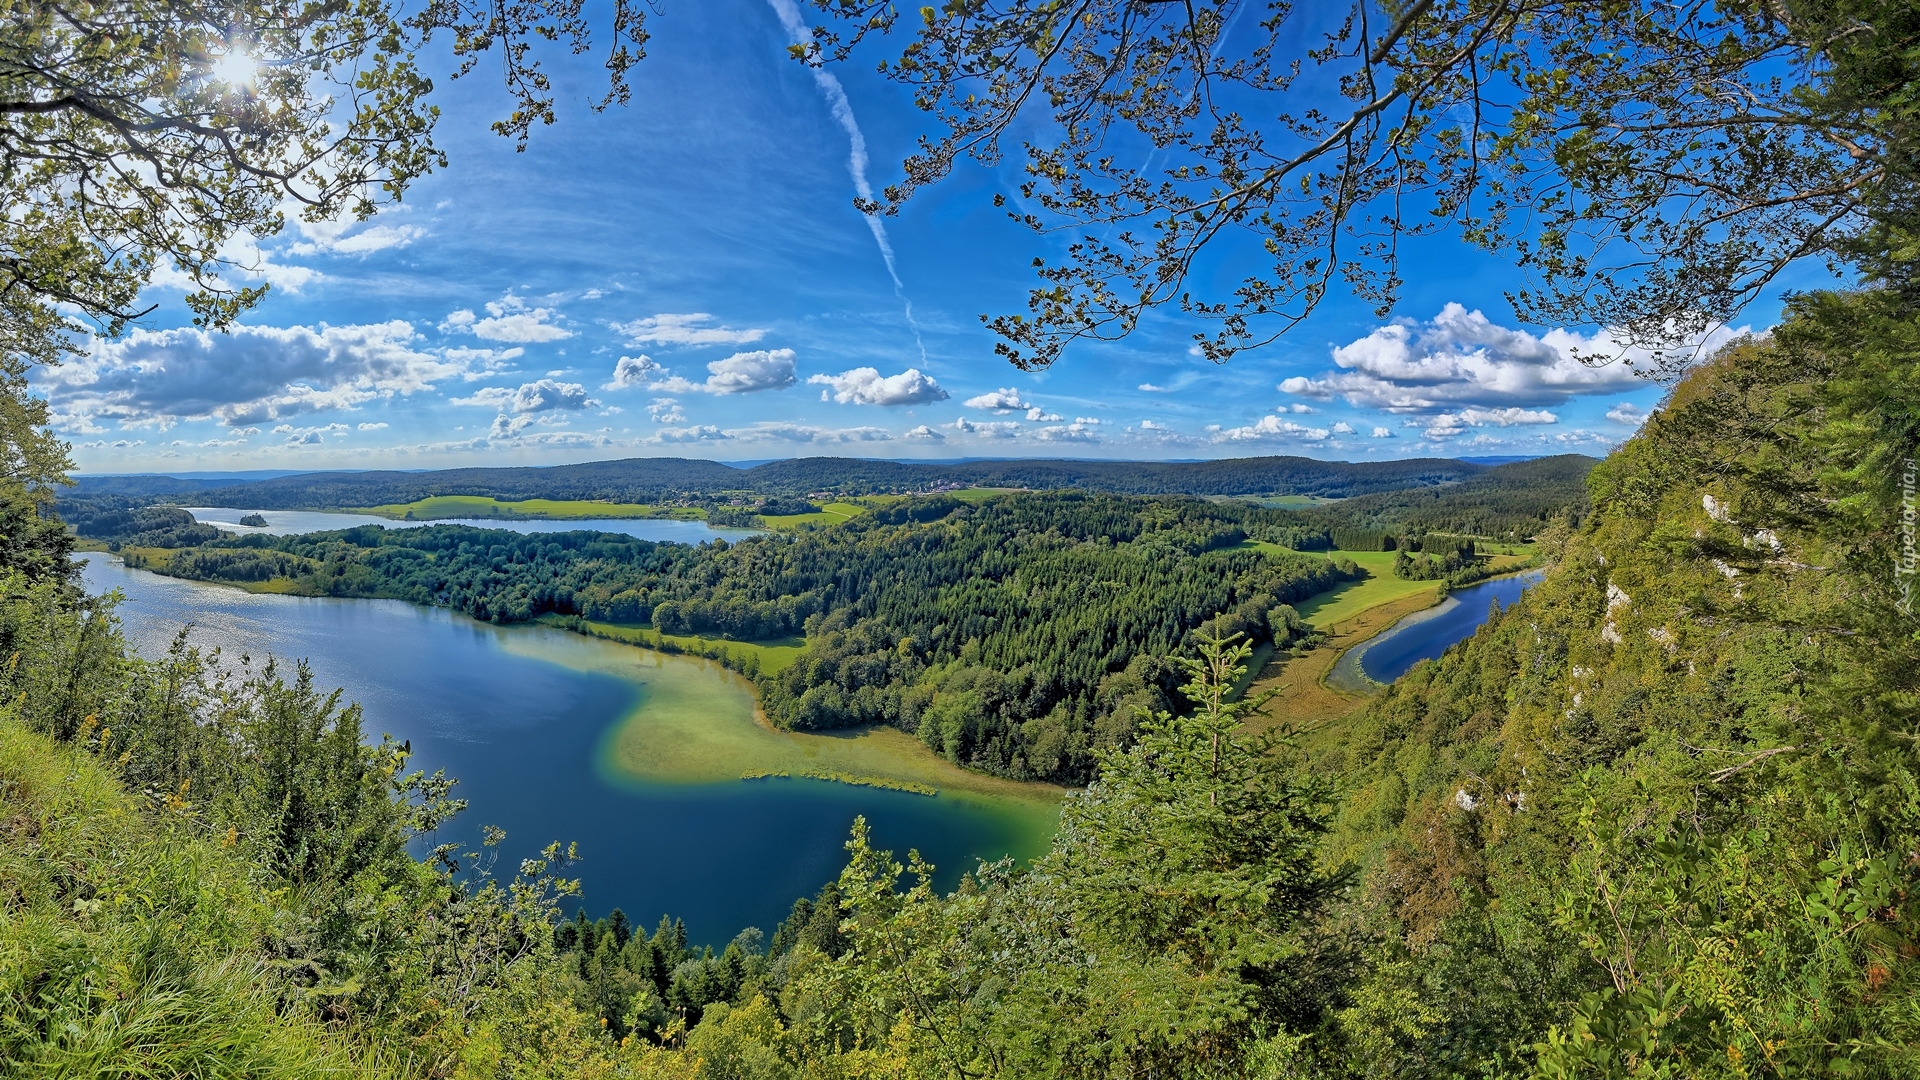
x,y
635,755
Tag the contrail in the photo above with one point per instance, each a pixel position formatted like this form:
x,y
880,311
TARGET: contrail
x,y
842,110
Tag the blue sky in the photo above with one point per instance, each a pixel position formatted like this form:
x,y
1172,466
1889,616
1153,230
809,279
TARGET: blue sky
x,y
687,276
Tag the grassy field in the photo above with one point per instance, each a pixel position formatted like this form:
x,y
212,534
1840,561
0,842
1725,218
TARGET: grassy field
x,y
1381,587
774,655
441,507
1346,601
1294,502
832,513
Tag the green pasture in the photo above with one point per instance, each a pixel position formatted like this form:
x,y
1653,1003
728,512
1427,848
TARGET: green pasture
x,y
440,507
1380,587
831,514
775,655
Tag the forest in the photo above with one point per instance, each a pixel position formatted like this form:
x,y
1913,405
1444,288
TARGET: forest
x,y
1018,636
648,480
1657,819
1641,824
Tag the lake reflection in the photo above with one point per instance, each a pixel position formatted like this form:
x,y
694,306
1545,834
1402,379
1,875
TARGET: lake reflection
x,y
522,715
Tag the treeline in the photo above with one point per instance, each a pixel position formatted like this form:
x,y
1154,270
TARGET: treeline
x,y
1656,820
1017,636
652,480
122,520
1659,817
1506,502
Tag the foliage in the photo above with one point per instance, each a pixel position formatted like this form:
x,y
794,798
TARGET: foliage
x,y
1511,502
118,520
142,136
1655,166
1657,818
668,480
1171,928
966,625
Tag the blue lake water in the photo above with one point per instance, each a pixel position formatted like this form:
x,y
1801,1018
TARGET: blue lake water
x,y
1424,635
285,522
523,735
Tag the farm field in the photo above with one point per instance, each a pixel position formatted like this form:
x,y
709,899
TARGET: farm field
x,y
832,513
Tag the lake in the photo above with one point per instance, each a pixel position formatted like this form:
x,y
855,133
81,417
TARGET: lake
x,y
285,522
636,755
1424,635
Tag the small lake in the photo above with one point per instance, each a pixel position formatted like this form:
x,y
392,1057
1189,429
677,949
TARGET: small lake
x,y
287,522
636,755
1424,635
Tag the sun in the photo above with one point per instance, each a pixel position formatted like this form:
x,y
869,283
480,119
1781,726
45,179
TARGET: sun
x,y
236,68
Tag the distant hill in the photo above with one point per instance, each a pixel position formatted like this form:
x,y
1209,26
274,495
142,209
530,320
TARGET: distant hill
x,y
655,479
630,480
1512,499
139,486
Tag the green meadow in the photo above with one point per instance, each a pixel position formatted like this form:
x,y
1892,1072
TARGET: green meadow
x,y
774,655
832,513
1380,586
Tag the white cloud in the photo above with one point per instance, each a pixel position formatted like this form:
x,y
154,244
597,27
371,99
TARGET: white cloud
x,y
685,329
1626,412
541,395
666,410
775,431
1381,433
1296,407
1461,357
1004,400
1039,415
330,238
1341,427
1148,425
741,373
1448,425
866,386
633,371
1078,431
508,319
248,375
1507,417
373,427
1266,428
1152,389
694,434
923,432
989,430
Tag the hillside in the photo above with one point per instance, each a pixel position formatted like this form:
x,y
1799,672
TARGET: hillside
x,y
647,480
1659,817
1510,501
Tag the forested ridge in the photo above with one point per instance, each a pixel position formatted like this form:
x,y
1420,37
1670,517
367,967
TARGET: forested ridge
x,y
647,480
1016,636
1511,501
1656,819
